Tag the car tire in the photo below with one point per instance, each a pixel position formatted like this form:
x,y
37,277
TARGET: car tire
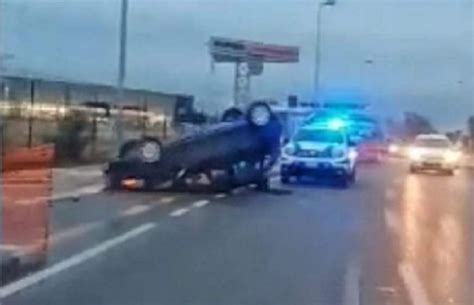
x,y
344,182
413,170
449,172
353,176
284,179
232,114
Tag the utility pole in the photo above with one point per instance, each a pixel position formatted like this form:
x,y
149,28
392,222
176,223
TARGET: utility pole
x,y
121,70
317,59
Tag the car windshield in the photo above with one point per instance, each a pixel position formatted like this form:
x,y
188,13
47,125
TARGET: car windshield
x,y
319,136
433,143
236,152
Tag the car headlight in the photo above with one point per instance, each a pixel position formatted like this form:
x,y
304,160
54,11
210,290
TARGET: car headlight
x,y
150,151
393,149
259,114
414,154
353,154
451,156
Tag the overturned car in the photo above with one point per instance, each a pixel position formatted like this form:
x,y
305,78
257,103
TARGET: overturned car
x,y
240,150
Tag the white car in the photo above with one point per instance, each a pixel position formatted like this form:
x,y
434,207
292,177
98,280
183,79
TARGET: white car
x,y
433,152
320,151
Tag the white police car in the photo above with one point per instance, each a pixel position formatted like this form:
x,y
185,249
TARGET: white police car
x,y
320,150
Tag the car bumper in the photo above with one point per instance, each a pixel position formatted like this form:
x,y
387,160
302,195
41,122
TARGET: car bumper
x,y
305,167
433,165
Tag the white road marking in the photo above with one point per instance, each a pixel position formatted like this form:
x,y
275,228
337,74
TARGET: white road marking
x,y
73,261
392,221
352,284
179,212
167,199
201,203
238,190
275,179
398,181
385,289
220,196
136,210
73,232
413,284
390,194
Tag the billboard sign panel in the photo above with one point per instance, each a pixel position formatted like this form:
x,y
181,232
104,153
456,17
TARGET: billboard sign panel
x,y
234,50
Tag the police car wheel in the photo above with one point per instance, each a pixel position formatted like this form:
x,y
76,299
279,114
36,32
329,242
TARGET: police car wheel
x,y
353,176
344,181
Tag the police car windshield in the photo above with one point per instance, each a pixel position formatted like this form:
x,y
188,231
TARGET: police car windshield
x,y
433,143
319,135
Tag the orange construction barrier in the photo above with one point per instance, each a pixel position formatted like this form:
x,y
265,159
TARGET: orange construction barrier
x,y
26,192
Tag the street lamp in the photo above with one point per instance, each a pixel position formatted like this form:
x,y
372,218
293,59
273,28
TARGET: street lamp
x,y
317,62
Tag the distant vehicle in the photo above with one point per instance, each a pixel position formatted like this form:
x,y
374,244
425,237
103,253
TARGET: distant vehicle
x,y
397,148
320,150
433,152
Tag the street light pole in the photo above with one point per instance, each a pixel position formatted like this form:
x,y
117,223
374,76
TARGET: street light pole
x,y
121,70
317,60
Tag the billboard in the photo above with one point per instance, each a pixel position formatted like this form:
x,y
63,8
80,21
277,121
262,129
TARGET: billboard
x,y
234,50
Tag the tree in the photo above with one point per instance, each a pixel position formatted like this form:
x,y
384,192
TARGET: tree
x,y
470,129
470,126
415,124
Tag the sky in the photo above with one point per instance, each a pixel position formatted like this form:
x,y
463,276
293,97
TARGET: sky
x,y
420,51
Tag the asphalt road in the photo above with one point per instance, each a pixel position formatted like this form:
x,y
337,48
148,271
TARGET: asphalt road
x,y
393,238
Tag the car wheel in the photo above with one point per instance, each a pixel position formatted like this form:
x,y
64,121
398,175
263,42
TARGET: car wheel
x,y
284,179
413,169
353,176
449,172
232,114
344,181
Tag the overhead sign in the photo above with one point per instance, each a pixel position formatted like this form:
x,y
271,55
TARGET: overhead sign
x,y
233,50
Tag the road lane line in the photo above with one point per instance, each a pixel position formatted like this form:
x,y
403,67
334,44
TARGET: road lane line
x,y
167,199
201,203
238,190
390,195
391,221
73,232
352,284
220,196
73,261
136,210
275,179
179,212
413,285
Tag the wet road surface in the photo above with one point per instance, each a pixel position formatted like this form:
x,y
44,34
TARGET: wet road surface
x,y
393,238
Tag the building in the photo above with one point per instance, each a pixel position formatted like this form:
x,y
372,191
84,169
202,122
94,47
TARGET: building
x,y
43,98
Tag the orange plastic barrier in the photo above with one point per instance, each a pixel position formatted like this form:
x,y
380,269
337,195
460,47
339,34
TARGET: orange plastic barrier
x,y
26,191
